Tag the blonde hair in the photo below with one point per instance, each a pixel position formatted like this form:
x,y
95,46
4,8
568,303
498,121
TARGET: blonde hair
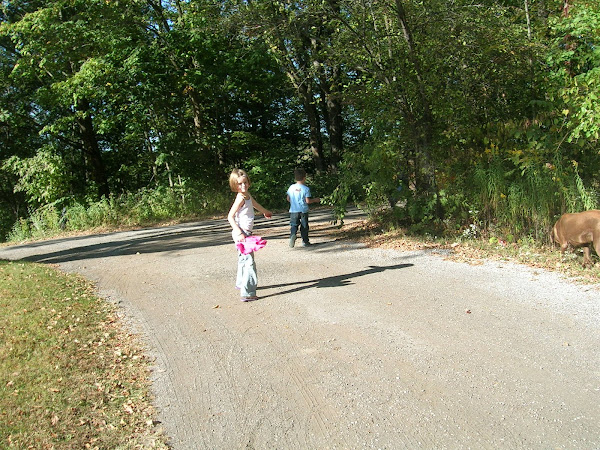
x,y
236,174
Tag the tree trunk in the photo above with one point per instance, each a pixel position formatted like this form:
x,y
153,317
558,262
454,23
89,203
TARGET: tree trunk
x,y
196,111
333,98
91,148
312,115
425,124
333,115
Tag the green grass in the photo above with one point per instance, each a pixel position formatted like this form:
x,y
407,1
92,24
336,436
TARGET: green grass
x,y
70,375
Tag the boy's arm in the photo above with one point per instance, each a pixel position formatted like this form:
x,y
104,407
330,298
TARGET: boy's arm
x,y
260,208
309,199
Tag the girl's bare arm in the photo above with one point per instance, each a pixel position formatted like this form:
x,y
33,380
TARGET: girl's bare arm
x,y
260,208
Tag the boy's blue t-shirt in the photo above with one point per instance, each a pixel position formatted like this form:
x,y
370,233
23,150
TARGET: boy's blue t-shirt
x,y
298,193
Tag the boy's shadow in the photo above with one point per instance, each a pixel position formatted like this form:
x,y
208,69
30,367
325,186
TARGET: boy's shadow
x,y
328,282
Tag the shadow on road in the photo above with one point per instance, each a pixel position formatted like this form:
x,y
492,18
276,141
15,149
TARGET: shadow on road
x,y
168,239
328,282
207,233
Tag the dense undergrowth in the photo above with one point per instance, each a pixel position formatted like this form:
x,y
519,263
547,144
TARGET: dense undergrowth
x,y
144,208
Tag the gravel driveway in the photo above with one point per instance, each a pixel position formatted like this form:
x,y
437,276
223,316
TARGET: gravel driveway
x,y
348,347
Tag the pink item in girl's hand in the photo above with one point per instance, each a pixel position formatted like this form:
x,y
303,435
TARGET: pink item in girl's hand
x,y
250,244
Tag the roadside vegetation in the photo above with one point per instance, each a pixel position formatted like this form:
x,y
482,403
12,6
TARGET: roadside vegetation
x,y
71,375
475,248
144,208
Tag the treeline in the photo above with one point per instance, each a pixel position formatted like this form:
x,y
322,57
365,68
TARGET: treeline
x,y
468,116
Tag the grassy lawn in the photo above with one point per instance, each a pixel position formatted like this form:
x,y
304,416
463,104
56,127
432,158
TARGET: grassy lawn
x,y
71,376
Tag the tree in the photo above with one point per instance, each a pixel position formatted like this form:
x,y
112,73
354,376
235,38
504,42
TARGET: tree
x,y
56,44
300,35
157,93
432,83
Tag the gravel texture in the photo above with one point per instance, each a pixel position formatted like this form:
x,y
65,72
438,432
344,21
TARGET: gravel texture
x,y
348,347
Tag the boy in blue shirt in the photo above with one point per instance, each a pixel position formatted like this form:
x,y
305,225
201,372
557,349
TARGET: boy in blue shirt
x,y
298,195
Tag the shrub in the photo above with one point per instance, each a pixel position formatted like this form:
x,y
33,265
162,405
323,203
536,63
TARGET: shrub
x,y
144,207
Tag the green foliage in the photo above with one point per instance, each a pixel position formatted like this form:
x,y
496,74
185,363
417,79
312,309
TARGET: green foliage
x,y
270,163
574,62
323,185
588,199
142,208
525,201
350,189
43,177
270,179
447,108
142,95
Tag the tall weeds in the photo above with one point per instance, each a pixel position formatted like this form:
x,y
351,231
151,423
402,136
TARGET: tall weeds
x,y
526,201
142,208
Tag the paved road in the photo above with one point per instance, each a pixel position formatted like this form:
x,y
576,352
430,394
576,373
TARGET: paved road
x,y
348,347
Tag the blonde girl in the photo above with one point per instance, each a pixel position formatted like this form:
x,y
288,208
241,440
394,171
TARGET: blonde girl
x,y
241,219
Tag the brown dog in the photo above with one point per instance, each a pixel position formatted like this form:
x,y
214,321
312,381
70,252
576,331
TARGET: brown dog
x,y
579,230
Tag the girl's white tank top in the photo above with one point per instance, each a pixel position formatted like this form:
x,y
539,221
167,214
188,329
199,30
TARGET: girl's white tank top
x,y
244,217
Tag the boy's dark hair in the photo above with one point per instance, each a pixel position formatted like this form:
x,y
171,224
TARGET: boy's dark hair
x,y
299,174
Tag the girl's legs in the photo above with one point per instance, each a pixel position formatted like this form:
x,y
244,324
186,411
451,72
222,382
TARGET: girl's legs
x,y
247,279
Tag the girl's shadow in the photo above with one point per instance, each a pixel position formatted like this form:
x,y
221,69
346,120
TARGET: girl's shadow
x,y
328,282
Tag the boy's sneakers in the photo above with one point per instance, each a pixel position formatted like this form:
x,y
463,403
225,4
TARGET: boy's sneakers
x,y
293,242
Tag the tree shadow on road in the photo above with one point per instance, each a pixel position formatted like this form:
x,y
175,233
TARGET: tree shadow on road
x,y
197,235
329,282
164,239
169,239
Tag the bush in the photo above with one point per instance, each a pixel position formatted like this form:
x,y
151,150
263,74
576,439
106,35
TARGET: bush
x,y
145,207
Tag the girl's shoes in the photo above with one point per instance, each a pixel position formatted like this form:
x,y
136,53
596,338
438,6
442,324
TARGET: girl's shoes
x,y
249,299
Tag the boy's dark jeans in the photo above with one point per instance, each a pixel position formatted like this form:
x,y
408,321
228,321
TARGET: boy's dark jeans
x,y
299,220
